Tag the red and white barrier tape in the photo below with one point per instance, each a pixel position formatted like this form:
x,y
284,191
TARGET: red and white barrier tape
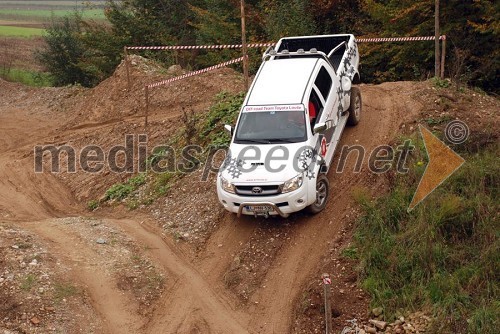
x,y
398,39
197,47
190,74
260,45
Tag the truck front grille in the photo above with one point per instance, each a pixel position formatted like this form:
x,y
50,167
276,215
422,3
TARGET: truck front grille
x,y
258,190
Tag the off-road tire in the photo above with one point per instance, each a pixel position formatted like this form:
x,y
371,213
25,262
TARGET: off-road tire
x,y
355,107
322,192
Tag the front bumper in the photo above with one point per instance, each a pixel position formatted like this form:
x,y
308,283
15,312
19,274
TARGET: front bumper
x,y
282,204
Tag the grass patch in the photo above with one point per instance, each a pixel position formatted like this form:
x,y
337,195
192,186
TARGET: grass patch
x,y
46,14
443,254
92,205
120,191
10,31
64,290
28,282
29,78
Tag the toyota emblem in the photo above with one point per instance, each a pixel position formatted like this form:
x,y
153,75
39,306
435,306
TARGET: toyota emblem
x,y
256,190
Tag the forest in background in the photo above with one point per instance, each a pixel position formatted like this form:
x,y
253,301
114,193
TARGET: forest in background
x,y
92,49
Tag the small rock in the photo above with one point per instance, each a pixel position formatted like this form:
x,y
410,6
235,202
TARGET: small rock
x,y
377,311
15,246
35,321
101,241
370,330
379,324
174,69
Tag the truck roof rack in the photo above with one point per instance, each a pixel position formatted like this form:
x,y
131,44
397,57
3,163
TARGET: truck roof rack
x,y
313,52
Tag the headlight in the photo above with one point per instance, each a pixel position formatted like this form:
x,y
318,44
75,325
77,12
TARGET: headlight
x,y
226,185
293,184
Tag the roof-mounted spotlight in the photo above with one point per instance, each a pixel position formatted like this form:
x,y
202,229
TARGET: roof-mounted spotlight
x,y
313,50
300,51
285,52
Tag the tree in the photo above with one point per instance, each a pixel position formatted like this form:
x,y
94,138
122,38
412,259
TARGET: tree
x,y
64,51
287,18
471,27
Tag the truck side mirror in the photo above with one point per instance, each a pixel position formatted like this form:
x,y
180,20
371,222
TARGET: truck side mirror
x,y
319,128
346,84
229,128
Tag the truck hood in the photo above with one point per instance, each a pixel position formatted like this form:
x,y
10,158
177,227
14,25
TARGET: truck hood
x,y
243,165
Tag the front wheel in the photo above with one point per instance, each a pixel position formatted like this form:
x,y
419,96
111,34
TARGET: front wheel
x,y
322,191
355,107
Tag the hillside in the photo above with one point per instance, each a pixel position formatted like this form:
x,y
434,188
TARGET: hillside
x,y
178,263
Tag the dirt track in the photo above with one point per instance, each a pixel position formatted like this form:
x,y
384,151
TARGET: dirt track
x,y
196,299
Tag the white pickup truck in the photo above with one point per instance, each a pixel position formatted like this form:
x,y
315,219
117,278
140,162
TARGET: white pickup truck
x,y
290,125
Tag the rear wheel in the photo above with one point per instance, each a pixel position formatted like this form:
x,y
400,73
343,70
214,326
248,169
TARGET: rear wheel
x,y
355,107
322,191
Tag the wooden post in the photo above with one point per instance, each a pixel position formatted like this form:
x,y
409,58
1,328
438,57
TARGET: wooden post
x,y
328,303
127,67
436,41
244,44
443,55
146,92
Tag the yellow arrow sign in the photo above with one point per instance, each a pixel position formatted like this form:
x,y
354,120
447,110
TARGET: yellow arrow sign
x,y
443,162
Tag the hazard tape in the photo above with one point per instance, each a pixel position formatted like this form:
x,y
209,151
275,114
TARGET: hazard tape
x,y
190,74
198,47
399,39
260,45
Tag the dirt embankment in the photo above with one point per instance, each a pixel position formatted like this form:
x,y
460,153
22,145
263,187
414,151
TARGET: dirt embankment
x,y
126,272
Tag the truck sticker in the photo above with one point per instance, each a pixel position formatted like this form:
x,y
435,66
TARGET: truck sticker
x,y
323,146
282,107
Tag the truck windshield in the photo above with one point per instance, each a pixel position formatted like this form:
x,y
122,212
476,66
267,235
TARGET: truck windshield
x,y
270,127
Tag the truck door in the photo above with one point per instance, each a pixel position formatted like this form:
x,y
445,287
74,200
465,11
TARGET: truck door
x,y
322,107
323,90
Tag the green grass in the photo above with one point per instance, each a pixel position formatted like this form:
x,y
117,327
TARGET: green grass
x,y
64,290
443,255
28,282
30,78
11,31
45,14
120,191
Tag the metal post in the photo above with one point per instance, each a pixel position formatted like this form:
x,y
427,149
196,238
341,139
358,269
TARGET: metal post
x,y
436,41
127,67
328,303
443,55
146,92
244,44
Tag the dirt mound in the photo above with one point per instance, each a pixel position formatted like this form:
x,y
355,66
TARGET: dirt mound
x,y
112,100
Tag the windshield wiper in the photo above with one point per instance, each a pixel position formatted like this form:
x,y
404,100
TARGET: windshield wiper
x,y
280,140
254,141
